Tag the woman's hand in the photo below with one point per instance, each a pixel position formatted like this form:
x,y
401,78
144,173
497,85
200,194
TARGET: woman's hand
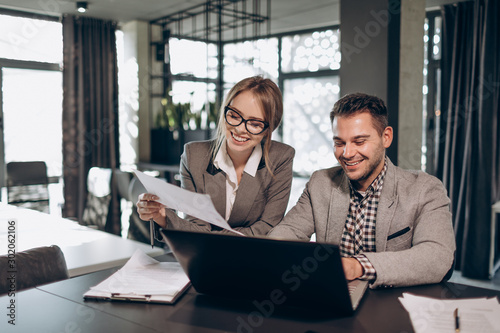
x,y
148,208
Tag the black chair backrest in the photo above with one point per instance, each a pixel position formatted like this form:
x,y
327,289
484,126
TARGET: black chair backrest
x,y
122,180
27,185
27,173
33,267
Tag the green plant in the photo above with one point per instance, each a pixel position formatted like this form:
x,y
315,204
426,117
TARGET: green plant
x,y
212,114
172,116
176,116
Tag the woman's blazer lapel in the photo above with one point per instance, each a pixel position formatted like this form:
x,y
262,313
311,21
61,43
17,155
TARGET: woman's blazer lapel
x,y
249,188
247,193
215,185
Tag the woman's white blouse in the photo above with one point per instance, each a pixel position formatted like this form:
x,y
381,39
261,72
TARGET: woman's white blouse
x,y
223,161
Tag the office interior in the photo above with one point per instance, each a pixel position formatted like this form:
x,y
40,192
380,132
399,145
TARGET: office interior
x,y
172,57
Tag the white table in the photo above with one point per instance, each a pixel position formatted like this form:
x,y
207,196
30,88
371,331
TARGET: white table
x,y
86,250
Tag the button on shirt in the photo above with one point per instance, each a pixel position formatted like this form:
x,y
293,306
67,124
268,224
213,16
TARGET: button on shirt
x,y
223,162
359,231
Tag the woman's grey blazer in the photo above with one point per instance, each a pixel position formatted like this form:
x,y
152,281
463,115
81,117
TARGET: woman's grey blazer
x,y
260,202
415,241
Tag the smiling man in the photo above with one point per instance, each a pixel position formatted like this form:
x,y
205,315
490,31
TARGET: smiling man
x,y
393,226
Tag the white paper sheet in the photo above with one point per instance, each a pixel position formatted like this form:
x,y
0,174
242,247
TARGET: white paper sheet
x,y
191,203
143,275
431,315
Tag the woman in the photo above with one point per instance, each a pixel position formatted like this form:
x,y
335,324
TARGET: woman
x,y
247,175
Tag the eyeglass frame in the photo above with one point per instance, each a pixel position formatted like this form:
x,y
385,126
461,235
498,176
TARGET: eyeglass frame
x,y
243,120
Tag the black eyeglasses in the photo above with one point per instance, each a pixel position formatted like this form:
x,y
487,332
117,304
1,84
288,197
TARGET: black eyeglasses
x,y
253,126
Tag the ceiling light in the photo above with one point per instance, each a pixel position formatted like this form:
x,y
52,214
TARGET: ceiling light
x,y
81,6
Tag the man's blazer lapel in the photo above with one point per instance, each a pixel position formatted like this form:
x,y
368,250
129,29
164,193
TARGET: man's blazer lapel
x,y
386,208
215,186
337,212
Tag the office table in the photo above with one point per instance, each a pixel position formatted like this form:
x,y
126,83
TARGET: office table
x,y
85,249
59,307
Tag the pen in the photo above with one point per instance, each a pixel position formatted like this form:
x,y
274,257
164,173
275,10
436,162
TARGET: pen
x,y
152,232
457,320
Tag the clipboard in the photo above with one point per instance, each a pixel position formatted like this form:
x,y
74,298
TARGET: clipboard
x,y
160,299
142,279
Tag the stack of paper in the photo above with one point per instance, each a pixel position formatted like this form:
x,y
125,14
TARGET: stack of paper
x,y
431,315
143,279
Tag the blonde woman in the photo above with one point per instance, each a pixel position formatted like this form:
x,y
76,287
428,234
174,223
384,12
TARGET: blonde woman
x,y
247,175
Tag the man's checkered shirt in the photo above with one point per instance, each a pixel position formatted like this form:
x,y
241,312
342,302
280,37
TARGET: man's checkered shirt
x,y
359,231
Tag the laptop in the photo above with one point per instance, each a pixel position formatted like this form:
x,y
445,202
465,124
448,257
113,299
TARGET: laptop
x,y
290,273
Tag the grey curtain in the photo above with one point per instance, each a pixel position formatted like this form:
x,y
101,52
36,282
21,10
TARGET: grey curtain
x,y
90,110
468,154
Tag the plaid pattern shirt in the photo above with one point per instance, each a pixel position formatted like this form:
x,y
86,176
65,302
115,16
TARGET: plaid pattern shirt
x,y
359,231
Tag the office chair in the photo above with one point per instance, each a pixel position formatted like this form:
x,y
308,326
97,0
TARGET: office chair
x,y
121,180
95,213
33,267
28,185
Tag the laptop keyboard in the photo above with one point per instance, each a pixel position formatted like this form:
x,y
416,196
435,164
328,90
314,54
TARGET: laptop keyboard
x,y
352,285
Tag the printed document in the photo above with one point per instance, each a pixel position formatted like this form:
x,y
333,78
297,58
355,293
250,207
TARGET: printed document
x,y
432,315
195,204
145,279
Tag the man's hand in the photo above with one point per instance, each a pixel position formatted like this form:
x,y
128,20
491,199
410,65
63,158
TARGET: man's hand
x,y
352,268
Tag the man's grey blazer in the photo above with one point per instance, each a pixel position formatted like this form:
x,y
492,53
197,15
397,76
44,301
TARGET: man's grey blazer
x,y
260,202
415,241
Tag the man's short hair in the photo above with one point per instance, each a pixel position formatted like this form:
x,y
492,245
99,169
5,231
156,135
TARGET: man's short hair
x,y
356,103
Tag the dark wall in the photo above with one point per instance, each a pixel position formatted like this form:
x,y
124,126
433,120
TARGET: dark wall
x,y
370,34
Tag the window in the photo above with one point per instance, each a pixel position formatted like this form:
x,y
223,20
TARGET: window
x,y
311,52
249,58
192,58
31,99
305,65
24,38
306,123
310,63
32,110
431,115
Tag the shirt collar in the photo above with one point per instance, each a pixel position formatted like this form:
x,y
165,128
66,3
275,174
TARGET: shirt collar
x,y
254,161
223,161
375,186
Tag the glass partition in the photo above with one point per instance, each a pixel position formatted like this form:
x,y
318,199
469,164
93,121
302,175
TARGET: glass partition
x,y
250,58
311,52
306,123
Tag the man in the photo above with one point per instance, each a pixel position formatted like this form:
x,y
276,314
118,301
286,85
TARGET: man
x,y
393,226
